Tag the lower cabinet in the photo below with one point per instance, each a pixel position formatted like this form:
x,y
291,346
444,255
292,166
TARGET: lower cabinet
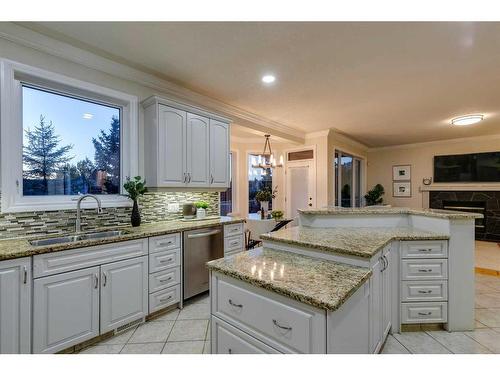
x,y
15,306
73,307
65,309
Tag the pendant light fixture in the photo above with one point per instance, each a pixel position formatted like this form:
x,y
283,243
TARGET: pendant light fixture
x,y
267,160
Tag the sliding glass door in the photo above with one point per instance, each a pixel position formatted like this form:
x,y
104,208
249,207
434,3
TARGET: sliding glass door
x,y
348,184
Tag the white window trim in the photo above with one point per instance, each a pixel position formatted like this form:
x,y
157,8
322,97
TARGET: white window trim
x,y
12,199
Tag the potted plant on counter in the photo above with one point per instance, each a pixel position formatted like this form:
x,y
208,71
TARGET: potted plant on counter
x,y
135,188
201,209
374,196
264,196
277,215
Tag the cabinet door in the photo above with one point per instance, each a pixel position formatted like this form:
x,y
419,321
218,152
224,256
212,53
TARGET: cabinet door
x,y
387,294
376,307
198,155
171,147
219,154
124,292
65,310
15,306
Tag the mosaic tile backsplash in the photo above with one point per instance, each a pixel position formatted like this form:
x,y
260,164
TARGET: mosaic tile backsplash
x,y
153,207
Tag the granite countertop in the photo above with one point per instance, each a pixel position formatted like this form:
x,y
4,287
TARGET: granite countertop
x,y
20,247
359,242
429,212
319,283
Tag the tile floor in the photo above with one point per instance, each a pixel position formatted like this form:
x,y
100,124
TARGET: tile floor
x,y
187,331
488,255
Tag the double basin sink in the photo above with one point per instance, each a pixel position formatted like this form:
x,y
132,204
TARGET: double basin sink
x,y
78,237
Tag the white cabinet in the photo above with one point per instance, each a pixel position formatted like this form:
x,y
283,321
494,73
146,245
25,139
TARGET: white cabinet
x,y
198,151
124,292
376,300
65,310
219,154
387,292
15,306
185,146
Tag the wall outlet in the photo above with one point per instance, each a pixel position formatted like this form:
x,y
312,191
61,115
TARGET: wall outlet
x,y
173,207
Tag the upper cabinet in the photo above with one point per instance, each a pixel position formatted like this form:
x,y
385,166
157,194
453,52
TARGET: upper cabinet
x,y
184,146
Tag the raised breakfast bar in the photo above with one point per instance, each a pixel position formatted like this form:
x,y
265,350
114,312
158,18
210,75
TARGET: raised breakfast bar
x,y
345,273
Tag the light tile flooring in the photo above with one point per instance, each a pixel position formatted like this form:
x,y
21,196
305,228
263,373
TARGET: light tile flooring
x,y
485,339
488,255
188,331
185,331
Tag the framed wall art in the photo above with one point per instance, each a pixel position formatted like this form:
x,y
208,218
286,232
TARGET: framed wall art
x,y
401,173
401,189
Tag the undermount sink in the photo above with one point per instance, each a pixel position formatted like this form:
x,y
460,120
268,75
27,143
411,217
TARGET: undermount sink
x,y
77,237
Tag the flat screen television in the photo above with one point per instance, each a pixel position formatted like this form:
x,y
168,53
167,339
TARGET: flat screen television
x,y
480,167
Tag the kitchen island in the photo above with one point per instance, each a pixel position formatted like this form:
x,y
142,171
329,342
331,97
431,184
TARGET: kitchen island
x,y
421,265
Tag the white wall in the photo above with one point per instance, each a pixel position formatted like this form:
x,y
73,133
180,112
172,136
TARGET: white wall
x,y
420,157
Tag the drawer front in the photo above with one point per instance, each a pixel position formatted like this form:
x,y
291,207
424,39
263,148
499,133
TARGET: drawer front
x,y
70,260
424,312
424,249
424,269
167,242
164,298
164,279
234,243
227,339
233,229
283,323
424,291
164,260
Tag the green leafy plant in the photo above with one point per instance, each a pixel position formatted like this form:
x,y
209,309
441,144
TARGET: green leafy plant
x,y
135,187
277,214
266,194
201,204
374,196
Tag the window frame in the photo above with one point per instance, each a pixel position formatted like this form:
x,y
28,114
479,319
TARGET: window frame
x,y
12,77
234,184
250,153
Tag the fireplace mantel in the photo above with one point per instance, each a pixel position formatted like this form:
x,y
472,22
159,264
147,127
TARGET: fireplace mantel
x,y
460,187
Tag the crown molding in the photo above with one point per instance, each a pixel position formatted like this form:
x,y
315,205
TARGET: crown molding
x,y
28,38
318,134
440,142
344,138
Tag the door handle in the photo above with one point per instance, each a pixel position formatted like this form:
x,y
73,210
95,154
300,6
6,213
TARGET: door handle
x,y
204,234
96,281
104,279
25,275
211,179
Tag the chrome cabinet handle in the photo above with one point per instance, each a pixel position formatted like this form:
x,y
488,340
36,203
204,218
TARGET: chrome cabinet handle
x,y
165,299
185,178
211,179
425,250
188,178
425,314
25,275
424,270
235,242
165,280
105,279
96,281
382,259
235,304
166,260
425,291
280,326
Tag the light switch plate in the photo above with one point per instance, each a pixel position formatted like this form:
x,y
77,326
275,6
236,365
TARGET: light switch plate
x,y
173,207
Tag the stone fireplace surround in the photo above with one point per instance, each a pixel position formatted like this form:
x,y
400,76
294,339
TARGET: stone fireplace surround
x,y
491,201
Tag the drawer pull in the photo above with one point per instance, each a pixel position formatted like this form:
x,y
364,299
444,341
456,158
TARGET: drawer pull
x,y
235,229
229,351
425,314
280,326
425,291
234,243
166,299
235,304
165,280
425,250
96,281
166,243
166,260
25,275
424,270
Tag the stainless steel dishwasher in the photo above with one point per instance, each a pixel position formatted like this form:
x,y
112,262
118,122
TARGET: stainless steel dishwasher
x,y
200,246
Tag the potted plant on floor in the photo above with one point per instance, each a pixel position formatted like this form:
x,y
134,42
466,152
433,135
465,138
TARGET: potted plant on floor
x,y
201,209
135,188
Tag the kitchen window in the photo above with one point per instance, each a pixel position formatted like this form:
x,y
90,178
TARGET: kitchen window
x,y
62,138
258,179
348,180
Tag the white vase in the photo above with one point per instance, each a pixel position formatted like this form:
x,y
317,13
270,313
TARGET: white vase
x,y
265,206
201,213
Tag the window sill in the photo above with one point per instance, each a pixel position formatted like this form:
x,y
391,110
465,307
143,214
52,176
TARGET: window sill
x,y
33,204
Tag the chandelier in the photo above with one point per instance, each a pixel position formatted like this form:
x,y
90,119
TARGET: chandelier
x,y
266,160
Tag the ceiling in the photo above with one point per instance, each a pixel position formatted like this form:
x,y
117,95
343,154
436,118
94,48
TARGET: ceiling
x,y
381,83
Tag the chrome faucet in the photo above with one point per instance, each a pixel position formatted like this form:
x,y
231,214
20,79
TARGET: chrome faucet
x,y
78,223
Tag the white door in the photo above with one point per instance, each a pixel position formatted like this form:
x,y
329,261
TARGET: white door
x,y
376,307
198,155
387,293
65,310
300,186
15,306
171,147
219,154
124,292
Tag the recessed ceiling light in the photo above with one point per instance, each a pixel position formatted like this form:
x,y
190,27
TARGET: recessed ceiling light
x,y
88,116
268,78
467,120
